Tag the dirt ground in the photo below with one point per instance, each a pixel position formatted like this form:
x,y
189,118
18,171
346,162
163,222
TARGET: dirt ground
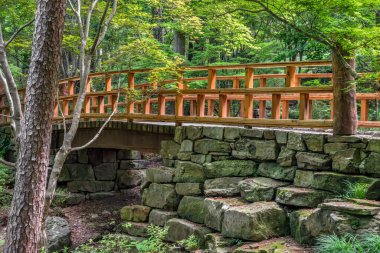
x,y
89,219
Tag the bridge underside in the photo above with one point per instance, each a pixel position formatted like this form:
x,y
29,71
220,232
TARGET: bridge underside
x,y
118,135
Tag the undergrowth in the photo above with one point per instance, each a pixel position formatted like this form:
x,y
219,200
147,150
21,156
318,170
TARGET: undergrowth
x,y
6,181
119,243
355,190
368,243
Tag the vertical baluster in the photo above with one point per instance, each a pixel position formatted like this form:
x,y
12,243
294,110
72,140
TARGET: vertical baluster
x,y
304,106
276,106
364,110
161,105
263,103
87,100
223,106
332,109
310,109
101,104
200,105
211,86
248,100
179,97
193,108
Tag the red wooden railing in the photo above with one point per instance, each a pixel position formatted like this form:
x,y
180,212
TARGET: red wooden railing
x,y
101,98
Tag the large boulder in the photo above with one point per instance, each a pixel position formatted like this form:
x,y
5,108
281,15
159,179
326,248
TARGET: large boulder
x,y
205,146
303,178
213,132
169,149
301,197
188,172
216,243
314,142
58,232
305,225
332,148
230,168
222,187
192,209
255,222
276,171
296,142
215,208
259,188
161,196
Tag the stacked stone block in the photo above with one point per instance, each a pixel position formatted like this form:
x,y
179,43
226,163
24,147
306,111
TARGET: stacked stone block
x,y
97,171
256,184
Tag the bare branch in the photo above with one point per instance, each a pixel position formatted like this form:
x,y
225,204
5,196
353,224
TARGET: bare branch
x,y
102,32
6,163
63,116
17,32
89,15
103,126
79,19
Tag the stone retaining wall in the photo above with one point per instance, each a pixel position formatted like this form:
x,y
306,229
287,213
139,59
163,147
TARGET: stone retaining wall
x,y
255,184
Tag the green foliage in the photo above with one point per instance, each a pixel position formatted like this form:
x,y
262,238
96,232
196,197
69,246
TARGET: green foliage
x,y
335,244
60,197
6,181
155,242
355,190
191,243
348,243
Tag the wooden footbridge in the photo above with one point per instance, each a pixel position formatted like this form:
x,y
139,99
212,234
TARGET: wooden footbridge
x,y
259,94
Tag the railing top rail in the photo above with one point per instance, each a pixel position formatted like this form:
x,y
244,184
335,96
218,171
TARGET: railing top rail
x,y
216,67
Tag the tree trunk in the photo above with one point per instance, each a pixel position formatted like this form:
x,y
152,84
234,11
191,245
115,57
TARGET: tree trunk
x,y
24,225
345,111
179,42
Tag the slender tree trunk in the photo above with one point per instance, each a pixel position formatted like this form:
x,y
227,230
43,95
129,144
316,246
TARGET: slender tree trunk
x,y
24,225
345,111
179,42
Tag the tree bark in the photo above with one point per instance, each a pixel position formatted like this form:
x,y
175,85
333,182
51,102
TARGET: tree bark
x,y
24,225
345,111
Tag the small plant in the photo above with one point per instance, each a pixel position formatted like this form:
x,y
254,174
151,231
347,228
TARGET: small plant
x,y
155,242
335,244
6,180
371,243
191,243
60,197
355,190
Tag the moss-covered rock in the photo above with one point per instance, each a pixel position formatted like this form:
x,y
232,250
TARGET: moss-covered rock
x,y
276,171
160,217
222,187
188,172
160,174
205,146
313,161
259,188
301,197
192,209
180,229
230,168
255,222
256,149
135,213
189,189
161,196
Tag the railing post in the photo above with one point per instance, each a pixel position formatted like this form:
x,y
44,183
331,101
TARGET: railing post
x,y
211,86
263,103
310,109
332,109
363,110
304,106
290,81
146,103
108,82
71,87
131,86
66,107
179,98
161,105
276,106
248,100
193,108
